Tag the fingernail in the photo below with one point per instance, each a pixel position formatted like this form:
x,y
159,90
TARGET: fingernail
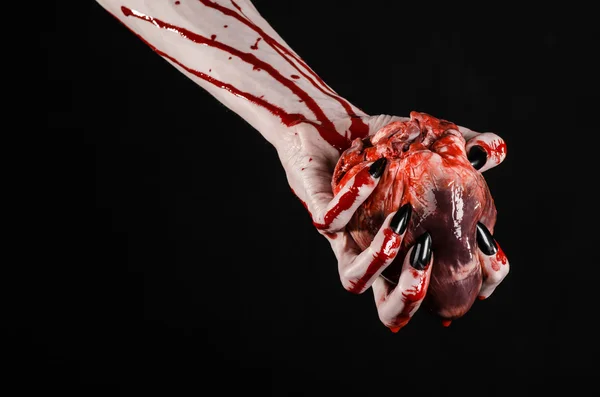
x,y
477,156
421,253
485,241
377,167
400,221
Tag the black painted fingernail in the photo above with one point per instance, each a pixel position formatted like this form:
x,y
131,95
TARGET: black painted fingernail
x,y
400,221
421,253
477,156
485,241
377,167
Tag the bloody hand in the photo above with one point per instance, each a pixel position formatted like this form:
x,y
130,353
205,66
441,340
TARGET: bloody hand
x,y
426,226
408,212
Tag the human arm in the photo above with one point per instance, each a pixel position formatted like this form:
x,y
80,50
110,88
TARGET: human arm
x,y
230,51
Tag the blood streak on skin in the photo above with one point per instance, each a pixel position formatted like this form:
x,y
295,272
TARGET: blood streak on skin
x,y
358,128
295,76
411,298
391,243
417,293
500,259
289,119
500,256
347,199
238,7
255,46
324,126
495,150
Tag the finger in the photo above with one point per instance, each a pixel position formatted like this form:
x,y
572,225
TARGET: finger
x,y
396,304
357,272
494,264
486,151
340,209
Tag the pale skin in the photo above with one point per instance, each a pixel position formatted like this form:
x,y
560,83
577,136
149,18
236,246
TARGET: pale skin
x,y
230,51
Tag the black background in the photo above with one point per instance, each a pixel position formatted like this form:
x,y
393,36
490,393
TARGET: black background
x,y
176,257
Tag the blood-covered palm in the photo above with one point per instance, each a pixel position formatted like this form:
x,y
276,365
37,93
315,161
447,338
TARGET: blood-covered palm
x,y
427,167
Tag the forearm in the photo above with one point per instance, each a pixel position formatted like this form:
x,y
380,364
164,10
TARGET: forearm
x,y
228,49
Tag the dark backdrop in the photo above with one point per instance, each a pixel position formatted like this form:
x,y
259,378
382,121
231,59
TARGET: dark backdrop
x,y
185,261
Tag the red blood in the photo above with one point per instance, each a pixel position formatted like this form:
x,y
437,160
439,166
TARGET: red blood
x,y
395,329
323,125
213,36
446,323
495,150
358,128
255,46
295,76
434,175
481,297
177,2
225,26
236,6
495,265
389,247
347,199
416,294
500,257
